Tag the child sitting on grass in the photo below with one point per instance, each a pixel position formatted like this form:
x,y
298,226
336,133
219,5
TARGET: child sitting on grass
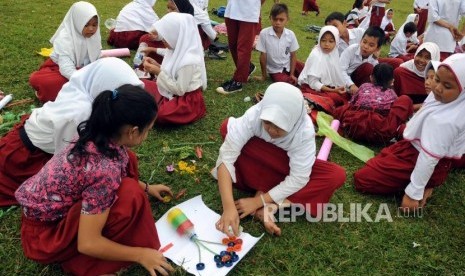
x,y
375,113
432,139
278,46
270,150
86,209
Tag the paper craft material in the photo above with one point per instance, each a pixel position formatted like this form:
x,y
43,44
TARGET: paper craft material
x,y
327,143
45,52
120,52
182,251
5,100
323,120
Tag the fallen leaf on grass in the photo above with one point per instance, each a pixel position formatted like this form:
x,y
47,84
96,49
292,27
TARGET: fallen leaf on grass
x,y
180,194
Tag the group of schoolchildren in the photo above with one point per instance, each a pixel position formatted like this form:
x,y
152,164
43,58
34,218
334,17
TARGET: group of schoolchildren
x,y
69,166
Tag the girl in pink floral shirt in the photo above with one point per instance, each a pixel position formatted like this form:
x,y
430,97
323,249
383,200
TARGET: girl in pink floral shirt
x,y
86,208
375,114
377,95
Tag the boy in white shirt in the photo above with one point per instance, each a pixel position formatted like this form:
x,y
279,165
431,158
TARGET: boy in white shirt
x,y
358,60
278,46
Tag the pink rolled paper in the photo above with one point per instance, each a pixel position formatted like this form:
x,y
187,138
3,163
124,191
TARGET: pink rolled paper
x,y
327,143
120,52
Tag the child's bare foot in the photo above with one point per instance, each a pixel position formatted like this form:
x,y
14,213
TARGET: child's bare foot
x,y
426,195
268,221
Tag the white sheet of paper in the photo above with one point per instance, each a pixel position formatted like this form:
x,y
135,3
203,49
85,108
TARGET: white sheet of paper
x,y
184,252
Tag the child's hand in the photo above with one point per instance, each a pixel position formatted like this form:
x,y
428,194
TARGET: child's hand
x,y
149,50
158,189
247,206
293,80
409,204
340,90
151,66
353,89
259,78
153,260
229,218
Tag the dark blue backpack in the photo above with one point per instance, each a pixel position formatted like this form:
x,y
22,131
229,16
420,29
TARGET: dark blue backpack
x,y
220,11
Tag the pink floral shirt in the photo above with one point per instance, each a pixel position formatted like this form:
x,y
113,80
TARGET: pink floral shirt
x,y
370,96
48,195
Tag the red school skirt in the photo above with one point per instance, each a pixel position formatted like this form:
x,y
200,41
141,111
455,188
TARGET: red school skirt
x,y
17,163
389,172
48,81
181,110
128,39
262,165
372,126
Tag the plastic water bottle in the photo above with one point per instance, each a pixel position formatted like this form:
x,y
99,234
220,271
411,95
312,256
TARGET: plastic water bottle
x,y
139,57
110,23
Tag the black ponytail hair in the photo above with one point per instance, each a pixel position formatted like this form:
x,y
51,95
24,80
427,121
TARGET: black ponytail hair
x,y
111,110
383,74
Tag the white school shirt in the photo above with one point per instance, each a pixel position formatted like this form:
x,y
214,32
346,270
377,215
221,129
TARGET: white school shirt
x,y
278,50
188,78
243,10
450,11
355,36
203,19
422,4
203,4
398,45
351,59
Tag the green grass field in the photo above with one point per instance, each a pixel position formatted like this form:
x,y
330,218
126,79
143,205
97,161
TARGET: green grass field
x,y
318,248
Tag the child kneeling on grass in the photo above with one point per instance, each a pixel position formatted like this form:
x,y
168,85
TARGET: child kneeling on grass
x,y
86,208
432,139
270,150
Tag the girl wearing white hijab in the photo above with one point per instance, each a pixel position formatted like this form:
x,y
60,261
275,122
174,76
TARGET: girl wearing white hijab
x,y
270,150
181,77
133,21
76,43
30,144
409,77
387,24
433,137
321,74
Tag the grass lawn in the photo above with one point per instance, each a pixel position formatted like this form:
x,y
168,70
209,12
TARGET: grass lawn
x,y
305,248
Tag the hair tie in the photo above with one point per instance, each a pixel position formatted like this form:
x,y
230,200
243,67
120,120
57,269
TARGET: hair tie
x,y
114,94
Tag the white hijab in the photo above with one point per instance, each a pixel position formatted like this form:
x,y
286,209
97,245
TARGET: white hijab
x,y
283,105
323,66
432,48
180,31
438,128
50,126
386,20
136,16
68,39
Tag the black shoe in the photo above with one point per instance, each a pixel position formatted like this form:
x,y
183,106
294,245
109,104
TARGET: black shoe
x,y
229,87
215,55
252,69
